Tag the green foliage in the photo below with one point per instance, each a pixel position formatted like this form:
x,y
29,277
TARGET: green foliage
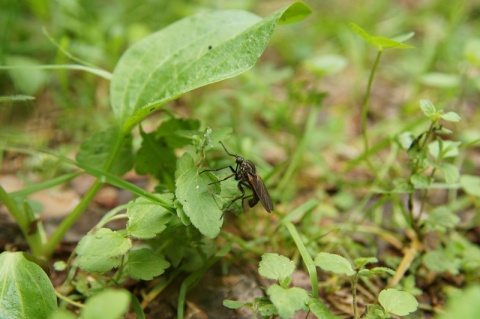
x,y
397,302
144,264
463,304
334,263
108,304
147,219
102,250
276,267
27,291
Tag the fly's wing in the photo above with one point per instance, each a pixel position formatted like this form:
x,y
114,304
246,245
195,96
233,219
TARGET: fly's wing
x,y
260,192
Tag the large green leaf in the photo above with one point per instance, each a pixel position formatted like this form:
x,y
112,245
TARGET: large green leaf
x,y
26,292
188,54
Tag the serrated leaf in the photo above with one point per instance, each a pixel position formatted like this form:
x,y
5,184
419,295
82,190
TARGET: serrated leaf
x,y
382,271
155,158
147,219
442,148
274,266
397,302
427,108
287,300
334,263
442,260
362,261
26,290
95,151
420,181
188,54
319,309
441,219
174,131
102,250
233,304
450,172
471,184
451,117
108,304
144,264
197,202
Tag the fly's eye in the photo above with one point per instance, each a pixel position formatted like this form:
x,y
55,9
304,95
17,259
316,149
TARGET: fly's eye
x,y
239,160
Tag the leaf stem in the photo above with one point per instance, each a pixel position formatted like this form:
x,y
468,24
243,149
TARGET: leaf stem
x,y
307,259
366,102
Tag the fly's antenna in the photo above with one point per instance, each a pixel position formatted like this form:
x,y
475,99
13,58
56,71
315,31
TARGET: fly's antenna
x,y
227,150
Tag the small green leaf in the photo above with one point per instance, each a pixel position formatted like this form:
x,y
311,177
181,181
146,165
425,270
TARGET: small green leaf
x,y
26,290
144,264
334,263
441,219
175,131
442,260
101,251
471,184
108,304
397,302
96,150
420,181
155,158
147,219
319,309
197,202
233,304
450,172
287,300
451,117
382,271
445,149
381,42
274,266
362,261
296,12
427,108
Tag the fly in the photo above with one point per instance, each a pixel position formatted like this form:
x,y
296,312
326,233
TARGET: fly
x,y
246,174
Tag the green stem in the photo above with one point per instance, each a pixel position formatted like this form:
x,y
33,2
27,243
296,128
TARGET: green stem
x,y
307,259
78,211
366,102
298,153
354,295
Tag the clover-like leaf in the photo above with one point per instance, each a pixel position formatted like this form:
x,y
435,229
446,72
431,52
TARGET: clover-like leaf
x,y
144,264
274,266
101,251
397,302
193,194
334,263
147,219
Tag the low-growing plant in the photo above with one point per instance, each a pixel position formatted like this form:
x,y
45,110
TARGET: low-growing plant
x,y
179,221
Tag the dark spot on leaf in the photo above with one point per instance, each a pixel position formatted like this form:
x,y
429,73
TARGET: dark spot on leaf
x,y
152,109
209,47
